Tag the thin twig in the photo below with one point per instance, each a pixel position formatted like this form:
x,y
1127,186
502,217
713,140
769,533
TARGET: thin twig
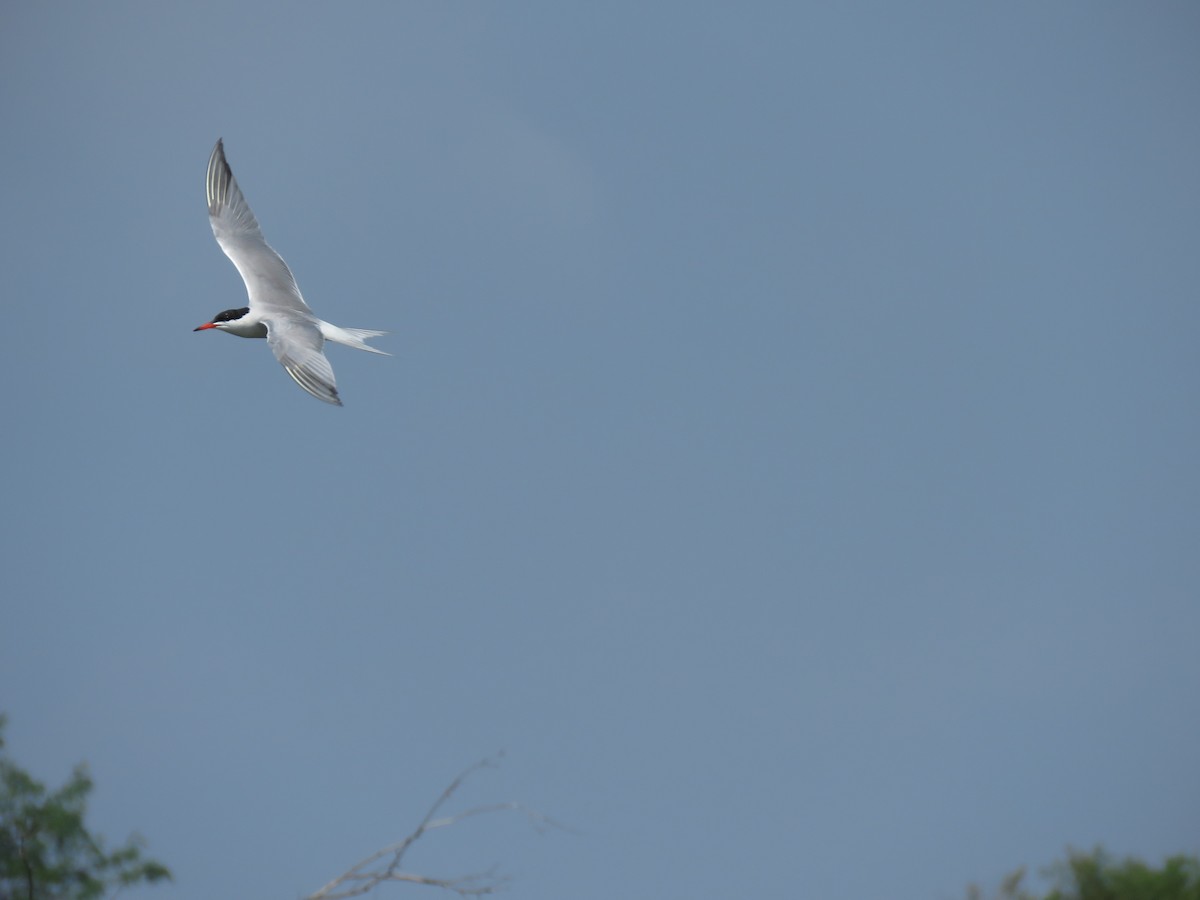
x,y
362,877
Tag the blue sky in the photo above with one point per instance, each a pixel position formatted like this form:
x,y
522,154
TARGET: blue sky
x,y
788,455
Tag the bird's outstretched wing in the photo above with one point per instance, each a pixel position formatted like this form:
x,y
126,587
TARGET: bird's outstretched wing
x,y
269,281
299,347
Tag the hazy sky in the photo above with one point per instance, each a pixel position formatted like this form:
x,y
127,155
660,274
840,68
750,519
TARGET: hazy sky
x,y
788,456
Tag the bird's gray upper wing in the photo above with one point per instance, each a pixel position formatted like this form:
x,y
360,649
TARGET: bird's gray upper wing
x,y
269,281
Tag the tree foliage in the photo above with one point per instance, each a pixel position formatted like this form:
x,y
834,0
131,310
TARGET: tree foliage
x,y
46,851
1097,876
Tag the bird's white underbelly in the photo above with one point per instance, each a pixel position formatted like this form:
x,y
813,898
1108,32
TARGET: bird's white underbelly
x,y
247,330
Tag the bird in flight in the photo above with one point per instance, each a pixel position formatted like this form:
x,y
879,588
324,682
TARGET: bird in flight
x,y
276,312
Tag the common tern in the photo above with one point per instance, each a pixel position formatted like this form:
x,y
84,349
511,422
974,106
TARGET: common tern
x,y
276,312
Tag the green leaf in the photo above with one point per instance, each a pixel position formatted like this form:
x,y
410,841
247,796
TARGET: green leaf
x,y
46,850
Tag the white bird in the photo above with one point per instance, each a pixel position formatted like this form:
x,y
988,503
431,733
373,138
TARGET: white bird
x,y
276,312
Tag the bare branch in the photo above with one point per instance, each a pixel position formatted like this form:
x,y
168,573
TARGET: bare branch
x,y
384,865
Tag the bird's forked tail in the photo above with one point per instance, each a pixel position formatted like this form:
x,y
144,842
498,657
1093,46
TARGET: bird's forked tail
x,y
351,337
